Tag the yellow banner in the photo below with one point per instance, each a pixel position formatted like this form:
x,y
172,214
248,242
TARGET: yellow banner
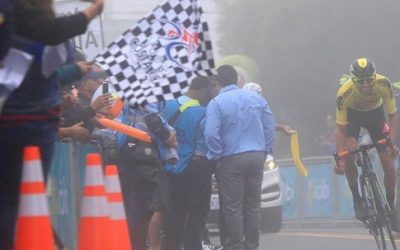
x,y
295,150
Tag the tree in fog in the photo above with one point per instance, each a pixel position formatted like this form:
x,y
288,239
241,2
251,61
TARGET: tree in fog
x,y
303,47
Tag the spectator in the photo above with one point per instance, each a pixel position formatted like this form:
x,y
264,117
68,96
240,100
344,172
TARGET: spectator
x,y
89,83
239,132
73,72
31,113
76,131
278,126
77,122
142,180
190,180
85,110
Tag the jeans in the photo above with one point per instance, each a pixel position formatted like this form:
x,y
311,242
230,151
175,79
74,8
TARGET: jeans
x,y
188,206
239,180
143,192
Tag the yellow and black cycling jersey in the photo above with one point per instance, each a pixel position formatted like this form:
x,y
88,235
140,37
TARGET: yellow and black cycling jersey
x,y
349,96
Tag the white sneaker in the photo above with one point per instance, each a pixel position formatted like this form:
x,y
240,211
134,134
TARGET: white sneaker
x,y
211,247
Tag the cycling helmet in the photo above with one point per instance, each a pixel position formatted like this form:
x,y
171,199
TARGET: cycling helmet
x,y
362,68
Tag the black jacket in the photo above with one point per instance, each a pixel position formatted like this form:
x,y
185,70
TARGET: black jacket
x,y
32,23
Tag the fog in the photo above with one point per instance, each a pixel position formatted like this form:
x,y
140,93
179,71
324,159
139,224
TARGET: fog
x,y
302,48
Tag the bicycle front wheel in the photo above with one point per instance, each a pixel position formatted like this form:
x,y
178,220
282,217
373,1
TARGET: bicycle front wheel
x,y
374,225
383,213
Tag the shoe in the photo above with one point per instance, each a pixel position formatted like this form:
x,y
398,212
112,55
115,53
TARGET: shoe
x,y
395,221
360,211
211,247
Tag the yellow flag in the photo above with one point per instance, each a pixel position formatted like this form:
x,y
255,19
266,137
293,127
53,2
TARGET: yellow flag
x,y
294,148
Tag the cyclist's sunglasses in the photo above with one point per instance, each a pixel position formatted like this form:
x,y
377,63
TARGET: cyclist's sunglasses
x,y
363,80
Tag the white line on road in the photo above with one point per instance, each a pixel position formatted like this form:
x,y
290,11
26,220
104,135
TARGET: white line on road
x,y
331,235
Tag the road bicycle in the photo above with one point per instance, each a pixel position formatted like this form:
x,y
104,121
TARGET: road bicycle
x,y
372,194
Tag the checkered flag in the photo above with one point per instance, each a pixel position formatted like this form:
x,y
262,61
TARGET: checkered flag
x,y
157,59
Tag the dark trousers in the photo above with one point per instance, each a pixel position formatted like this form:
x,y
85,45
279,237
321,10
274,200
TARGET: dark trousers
x,y
12,142
144,193
189,203
239,180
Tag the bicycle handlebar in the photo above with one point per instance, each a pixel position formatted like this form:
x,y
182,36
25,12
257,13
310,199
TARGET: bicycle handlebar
x,y
363,147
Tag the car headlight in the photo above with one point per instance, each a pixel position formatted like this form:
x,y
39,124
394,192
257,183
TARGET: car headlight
x,y
270,163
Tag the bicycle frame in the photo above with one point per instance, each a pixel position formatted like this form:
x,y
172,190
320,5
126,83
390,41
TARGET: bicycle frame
x,y
379,212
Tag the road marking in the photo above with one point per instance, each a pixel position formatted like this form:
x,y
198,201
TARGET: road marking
x,y
333,235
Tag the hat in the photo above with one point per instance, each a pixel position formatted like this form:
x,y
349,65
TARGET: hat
x,y
253,87
91,75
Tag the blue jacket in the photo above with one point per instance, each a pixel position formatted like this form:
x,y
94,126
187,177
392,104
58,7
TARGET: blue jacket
x,y
188,129
136,118
238,121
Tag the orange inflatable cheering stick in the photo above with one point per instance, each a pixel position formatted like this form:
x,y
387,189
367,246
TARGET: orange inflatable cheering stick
x,y
125,129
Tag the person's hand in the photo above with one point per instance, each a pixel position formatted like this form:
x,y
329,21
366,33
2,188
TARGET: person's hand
x,y
99,4
287,130
84,66
79,133
93,10
284,128
172,141
70,99
104,100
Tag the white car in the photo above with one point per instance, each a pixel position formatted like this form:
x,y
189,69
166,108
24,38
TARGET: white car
x,y
271,199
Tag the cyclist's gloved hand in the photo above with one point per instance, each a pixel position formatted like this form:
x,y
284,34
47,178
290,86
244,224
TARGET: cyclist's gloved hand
x,y
339,168
395,151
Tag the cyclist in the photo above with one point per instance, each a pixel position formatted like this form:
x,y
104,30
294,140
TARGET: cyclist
x,y
361,101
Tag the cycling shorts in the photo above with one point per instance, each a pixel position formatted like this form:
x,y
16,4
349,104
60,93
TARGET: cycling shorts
x,y
373,121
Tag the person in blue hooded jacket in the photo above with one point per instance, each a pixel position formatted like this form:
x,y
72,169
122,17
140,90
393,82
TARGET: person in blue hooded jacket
x,y
143,180
190,179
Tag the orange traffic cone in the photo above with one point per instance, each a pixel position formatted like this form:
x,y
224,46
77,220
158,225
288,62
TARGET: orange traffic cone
x,y
94,222
33,225
119,226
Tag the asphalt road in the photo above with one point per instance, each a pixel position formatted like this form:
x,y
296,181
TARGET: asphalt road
x,y
319,239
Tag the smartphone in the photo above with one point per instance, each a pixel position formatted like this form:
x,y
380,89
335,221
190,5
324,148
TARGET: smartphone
x,y
105,87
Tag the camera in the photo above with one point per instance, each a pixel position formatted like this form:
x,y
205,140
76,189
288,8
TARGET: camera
x,y
155,125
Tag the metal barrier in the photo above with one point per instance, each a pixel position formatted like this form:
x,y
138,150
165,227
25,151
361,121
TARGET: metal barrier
x,y
64,187
321,197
